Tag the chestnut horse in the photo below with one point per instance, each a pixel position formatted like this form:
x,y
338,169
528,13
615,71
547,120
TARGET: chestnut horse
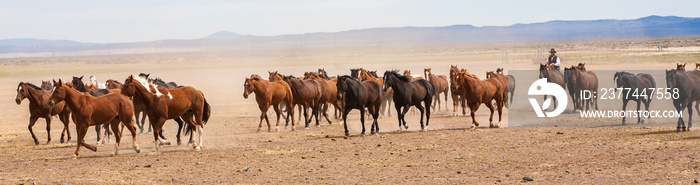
x,y
163,104
269,94
458,99
409,93
511,86
697,66
89,111
329,90
38,108
307,94
481,91
688,90
181,126
407,73
360,95
336,113
275,76
681,67
504,83
440,85
80,86
387,94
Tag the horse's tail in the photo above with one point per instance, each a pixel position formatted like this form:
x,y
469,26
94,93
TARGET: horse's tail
x,y
207,112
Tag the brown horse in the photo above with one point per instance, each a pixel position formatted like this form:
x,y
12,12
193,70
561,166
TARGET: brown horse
x,y
275,76
89,111
481,91
307,94
681,67
139,107
585,80
39,108
553,76
360,95
440,85
163,104
458,99
697,66
407,73
329,90
269,94
387,94
504,83
113,84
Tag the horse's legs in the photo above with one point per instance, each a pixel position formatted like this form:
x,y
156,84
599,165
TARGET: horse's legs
x,y
117,135
82,130
624,108
290,110
180,128
427,115
263,112
345,120
99,136
500,113
362,120
472,108
66,128
690,116
325,112
157,127
403,115
398,114
463,101
140,124
278,112
639,117
305,115
680,108
267,120
490,106
422,111
48,129
375,115
108,132
32,121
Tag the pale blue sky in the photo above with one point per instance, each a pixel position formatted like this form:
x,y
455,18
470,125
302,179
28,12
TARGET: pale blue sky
x,y
104,21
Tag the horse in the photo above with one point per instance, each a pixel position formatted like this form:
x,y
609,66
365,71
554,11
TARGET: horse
x,y
409,93
685,83
407,73
163,104
359,95
38,108
681,67
697,66
504,83
481,91
88,110
355,73
588,81
80,86
634,83
387,94
93,81
307,94
457,94
139,107
269,94
553,76
440,85
46,85
328,87
322,73
511,86
113,84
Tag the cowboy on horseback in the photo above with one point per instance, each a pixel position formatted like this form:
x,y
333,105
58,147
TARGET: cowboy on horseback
x,y
553,59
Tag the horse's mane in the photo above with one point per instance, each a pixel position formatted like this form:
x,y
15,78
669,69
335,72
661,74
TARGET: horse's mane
x,y
401,77
32,85
115,81
255,77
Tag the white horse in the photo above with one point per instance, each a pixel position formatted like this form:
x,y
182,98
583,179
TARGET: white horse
x,y
99,85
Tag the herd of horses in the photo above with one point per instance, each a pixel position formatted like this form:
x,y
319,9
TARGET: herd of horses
x,y
116,104
369,93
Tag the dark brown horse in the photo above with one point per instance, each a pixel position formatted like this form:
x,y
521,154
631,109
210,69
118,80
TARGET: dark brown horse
x,y
307,94
269,94
163,104
686,89
275,76
553,76
681,67
360,95
440,85
635,83
113,84
409,93
479,92
89,111
39,108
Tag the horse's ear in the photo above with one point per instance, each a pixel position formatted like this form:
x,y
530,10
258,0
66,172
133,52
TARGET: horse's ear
x,y
60,82
81,78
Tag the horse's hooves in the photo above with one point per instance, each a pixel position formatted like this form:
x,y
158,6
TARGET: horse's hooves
x,y
197,148
258,131
36,142
362,135
307,128
62,140
138,150
405,127
74,156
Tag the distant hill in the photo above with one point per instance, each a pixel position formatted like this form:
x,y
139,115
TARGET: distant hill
x,y
224,35
551,30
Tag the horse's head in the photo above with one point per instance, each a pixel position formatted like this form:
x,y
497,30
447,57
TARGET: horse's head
x,y
342,86
671,79
129,86
617,79
680,67
389,79
311,75
355,73
697,65
249,85
543,71
407,72
499,70
582,66
144,75
490,74
22,92
59,92
77,82
46,85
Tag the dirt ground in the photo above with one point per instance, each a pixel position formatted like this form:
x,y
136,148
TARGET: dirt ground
x,y
233,152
